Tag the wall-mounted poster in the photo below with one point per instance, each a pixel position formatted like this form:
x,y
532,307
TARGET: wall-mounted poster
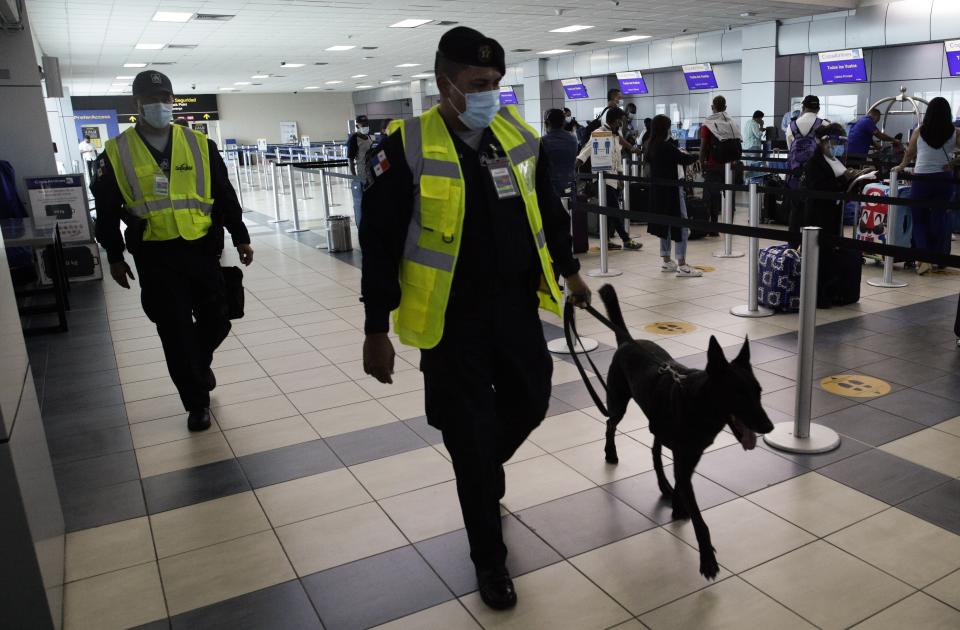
x,y
60,200
289,133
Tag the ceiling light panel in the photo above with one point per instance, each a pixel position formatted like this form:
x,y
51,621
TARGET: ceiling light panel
x,y
555,51
339,48
332,82
408,65
134,65
149,46
411,23
171,16
571,29
359,76
629,38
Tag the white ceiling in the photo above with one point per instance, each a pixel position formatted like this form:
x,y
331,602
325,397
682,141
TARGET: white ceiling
x,y
94,38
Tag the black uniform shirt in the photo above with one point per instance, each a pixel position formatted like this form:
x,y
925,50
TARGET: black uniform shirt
x,y
226,211
497,258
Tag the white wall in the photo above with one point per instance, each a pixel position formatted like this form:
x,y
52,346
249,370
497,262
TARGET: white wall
x,y
247,117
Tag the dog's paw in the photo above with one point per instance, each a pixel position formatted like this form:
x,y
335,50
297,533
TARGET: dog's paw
x,y
708,566
611,456
666,492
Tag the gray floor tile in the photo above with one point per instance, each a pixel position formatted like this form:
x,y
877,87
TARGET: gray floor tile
x,y
787,368
786,342
90,399
744,472
366,445
558,407
284,606
449,555
946,358
946,386
902,371
160,624
642,493
97,472
424,430
584,521
62,386
848,448
575,393
918,406
290,462
193,485
822,402
868,424
91,507
940,506
375,590
761,352
847,356
79,446
70,422
884,476
769,381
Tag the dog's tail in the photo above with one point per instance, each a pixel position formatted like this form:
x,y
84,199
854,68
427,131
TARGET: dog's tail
x,y
612,304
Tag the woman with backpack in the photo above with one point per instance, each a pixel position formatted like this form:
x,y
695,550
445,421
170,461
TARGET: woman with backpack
x,y
720,144
934,145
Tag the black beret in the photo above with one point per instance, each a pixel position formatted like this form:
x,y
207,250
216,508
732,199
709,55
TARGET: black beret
x,y
467,46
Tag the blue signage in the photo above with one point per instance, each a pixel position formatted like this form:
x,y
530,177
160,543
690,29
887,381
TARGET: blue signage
x,y
631,83
700,76
953,57
843,66
508,96
574,88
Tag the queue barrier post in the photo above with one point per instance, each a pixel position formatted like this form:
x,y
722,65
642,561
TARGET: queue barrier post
x,y
802,436
293,199
727,215
893,216
236,171
260,168
275,179
303,183
604,271
752,308
559,345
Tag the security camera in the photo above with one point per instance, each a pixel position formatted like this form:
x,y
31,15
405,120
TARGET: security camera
x,y
193,86
615,3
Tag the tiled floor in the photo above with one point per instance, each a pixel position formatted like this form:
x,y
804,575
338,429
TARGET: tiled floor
x,y
320,498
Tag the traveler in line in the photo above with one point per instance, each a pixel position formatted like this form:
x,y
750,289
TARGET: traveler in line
x,y
753,141
89,154
860,138
717,127
358,146
802,132
647,124
570,124
630,131
561,150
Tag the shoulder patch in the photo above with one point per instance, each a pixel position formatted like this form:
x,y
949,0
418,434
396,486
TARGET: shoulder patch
x,y
379,163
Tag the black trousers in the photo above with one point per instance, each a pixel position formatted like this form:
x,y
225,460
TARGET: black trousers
x,y
487,387
714,198
615,225
183,293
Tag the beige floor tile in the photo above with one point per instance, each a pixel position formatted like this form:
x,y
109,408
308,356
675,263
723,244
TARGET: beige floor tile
x,y
139,357
226,358
566,430
931,448
633,624
310,378
817,504
243,392
164,458
107,548
153,408
403,382
427,512
916,611
827,586
267,336
349,352
527,450
135,345
145,372
270,435
153,388
328,397
950,426
294,363
541,479
335,340
947,590
121,599
903,545
238,373
405,406
645,571
334,539
448,616
163,430
347,418
323,328
744,534
556,597
307,497
268,323
589,460
634,418
279,349
222,571
254,412
731,603
564,372
204,524
401,473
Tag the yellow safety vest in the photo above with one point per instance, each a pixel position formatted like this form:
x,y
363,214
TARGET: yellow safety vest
x,y
184,211
433,238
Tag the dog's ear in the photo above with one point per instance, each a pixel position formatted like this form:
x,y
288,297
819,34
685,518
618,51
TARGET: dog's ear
x,y
744,357
715,357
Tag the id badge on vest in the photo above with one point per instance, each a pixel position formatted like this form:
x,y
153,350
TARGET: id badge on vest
x,y
161,186
502,177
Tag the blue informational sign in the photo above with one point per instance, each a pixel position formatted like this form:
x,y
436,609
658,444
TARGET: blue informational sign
x,y
843,66
700,76
631,83
508,96
574,88
953,56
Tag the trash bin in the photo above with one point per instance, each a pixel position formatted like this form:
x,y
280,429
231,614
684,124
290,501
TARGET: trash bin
x,y
338,234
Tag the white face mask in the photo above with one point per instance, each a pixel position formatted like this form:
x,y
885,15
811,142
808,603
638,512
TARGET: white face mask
x,y
568,119
364,130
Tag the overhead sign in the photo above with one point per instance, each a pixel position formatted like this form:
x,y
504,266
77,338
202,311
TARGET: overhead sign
x,y
631,83
601,151
700,76
574,88
508,96
953,56
191,107
842,66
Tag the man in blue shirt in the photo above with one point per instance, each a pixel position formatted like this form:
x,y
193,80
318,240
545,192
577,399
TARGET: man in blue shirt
x,y
561,149
861,136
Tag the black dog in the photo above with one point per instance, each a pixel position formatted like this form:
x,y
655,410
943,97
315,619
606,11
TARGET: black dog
x,y
686,409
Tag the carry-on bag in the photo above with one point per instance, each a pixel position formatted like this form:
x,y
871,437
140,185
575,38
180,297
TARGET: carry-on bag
x,y
780,278
697,210
873,225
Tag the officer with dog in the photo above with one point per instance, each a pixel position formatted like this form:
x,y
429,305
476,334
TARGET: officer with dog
x,y
169,185
462,238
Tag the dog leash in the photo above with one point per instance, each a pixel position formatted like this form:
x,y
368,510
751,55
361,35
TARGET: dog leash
x,y
570,332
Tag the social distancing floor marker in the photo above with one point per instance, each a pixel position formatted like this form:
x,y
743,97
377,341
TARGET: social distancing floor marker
x,y
670,328
945,272
855,386
704,268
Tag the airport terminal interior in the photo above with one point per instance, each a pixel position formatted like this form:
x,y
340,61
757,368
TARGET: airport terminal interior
x,y
320,496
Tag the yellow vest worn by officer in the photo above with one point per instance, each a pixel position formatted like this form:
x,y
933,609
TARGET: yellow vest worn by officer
x,y
436,226
175,208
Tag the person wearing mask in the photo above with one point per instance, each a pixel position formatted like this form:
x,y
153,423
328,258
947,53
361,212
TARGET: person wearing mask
x,y
803,126
717,127
358,146
753,141
613,124
647,124
860,138
89,154
570,124
170,187
462,239
666,161
561,150
788,118
934,146
809,114
631,133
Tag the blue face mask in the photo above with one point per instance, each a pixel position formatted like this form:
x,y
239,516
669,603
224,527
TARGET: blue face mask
x,y
158,115
482,108
837,150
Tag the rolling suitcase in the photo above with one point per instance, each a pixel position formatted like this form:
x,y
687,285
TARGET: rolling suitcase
x,y
873,225
780,278
697,210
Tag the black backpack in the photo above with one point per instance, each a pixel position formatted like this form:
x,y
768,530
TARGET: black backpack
x,y
726,151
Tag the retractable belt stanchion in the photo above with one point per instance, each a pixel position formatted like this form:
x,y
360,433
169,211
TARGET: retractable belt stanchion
x,y
325,204
236,171
801,436
275,180
626,193
293,198
752,308
893,217
259,169
303,184
559,345
604,271
727,216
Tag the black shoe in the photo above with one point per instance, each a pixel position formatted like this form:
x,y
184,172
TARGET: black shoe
x,y
496,589
199,420
211,380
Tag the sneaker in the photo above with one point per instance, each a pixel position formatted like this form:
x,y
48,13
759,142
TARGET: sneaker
x,y
686,271
612,245
923,268
632,244
668,267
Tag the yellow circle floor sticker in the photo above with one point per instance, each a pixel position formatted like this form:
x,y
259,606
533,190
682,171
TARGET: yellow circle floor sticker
x,y
855,386
704,268
670,328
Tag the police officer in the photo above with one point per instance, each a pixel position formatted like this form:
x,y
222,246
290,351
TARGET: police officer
x,y
462,236
169,185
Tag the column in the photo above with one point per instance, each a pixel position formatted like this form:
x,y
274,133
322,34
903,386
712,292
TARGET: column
x,y
768,82
418,97
537,93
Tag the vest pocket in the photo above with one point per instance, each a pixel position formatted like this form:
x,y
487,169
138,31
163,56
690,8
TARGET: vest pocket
x,y
435,203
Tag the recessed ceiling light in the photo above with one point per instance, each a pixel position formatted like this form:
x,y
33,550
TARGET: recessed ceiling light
x,y
120,84
149,46
555,51
408,65
629,38
123,77
287,64
422,75
358,76
241,83
748,14
260,76
332,82
390,82
312,87
172,16
362,87
228,89
134,65
339,48
571,29
412,23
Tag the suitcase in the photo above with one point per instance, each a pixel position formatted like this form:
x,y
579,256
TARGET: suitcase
x,y
872,225
779,278
845,275
697,210
851,210
774,208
